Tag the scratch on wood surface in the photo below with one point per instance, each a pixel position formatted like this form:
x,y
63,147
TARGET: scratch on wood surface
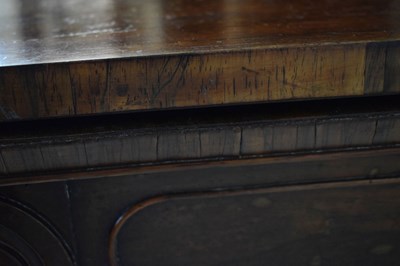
x,y
8,113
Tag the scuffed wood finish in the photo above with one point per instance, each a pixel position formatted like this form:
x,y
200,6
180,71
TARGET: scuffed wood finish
x,y
116,55
382,68
252,76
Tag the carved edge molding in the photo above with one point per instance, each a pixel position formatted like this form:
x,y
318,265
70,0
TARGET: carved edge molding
x,y
149,202
183,165
42,221
17,248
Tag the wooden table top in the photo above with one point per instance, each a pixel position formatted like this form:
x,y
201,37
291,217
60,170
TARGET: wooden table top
x,y
65,58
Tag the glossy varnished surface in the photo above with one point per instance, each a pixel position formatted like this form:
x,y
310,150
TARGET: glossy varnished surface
x,y
77,58
43,31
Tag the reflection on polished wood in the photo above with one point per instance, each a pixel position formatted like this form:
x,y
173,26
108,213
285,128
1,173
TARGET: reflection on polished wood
x,y
45,31
77,57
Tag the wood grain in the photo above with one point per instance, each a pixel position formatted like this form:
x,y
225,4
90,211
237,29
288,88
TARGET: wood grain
x,y
138,147
135,55
257,138
392,69
387,130
375,61
178,144
346,132
89,87
64,156
25,160
382,68
220,142
234,78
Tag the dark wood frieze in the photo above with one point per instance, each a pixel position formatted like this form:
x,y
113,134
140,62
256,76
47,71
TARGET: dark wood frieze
x,y
207,143
144,138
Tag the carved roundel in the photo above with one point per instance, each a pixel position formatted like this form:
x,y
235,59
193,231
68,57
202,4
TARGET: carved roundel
x,y
27,238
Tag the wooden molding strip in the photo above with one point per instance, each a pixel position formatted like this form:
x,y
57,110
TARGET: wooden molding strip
x,y
131,146
381,163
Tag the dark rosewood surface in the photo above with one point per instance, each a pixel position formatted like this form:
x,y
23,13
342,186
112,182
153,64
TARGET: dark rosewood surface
x,y
44,31
68,58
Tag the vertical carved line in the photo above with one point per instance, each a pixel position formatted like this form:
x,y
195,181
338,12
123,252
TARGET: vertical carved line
x,y
107,91
73,90
71,224
2,162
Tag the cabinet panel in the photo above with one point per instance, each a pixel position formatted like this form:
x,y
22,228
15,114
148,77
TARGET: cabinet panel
x,y
354,223
86,217
99,202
